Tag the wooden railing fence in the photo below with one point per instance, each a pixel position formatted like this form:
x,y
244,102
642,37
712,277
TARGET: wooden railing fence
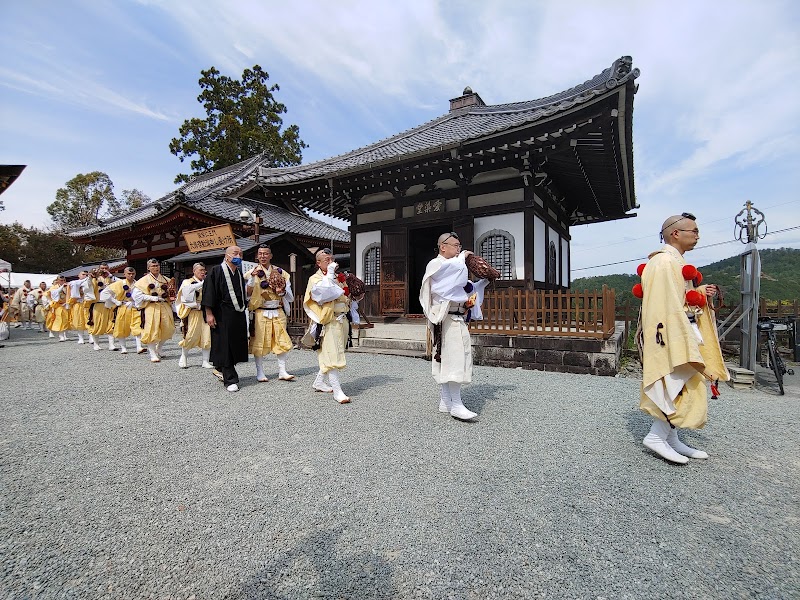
x,y
511,311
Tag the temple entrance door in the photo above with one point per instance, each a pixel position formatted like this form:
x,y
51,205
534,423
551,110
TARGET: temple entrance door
x,y
421,249
394,284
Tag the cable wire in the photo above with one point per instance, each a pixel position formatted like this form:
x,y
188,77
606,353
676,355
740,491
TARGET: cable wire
x,y
622,262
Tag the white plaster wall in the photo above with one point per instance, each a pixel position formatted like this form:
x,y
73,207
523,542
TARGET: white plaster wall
x,y
513,223
363,240
379,197
507,197
376,217
539,250
564,262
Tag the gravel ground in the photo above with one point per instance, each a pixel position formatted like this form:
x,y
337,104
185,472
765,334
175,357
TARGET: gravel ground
x,y
122,479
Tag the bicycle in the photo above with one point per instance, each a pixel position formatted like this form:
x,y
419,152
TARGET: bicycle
x,y
769,350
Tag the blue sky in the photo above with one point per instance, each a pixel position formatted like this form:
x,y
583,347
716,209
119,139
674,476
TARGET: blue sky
x,y
103,85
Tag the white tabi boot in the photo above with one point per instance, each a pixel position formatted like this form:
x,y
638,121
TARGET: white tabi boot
x,y
62,337
52,335
445,404
80,338
457,408
154,357
160,349
320,385
96,345
207,363
681,448
91,339
283,374
122,348
183,361
338,394
139,348
259,360
41,327
656,440
111,345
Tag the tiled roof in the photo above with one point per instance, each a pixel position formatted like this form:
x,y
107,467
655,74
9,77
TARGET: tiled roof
x,y
457,127
112,264
274,217
211,193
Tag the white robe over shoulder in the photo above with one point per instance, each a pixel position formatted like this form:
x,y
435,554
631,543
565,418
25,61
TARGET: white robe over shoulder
x,y
443,293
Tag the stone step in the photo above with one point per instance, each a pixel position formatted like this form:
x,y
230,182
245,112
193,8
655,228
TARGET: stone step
x,y
393,344
397,331
389,351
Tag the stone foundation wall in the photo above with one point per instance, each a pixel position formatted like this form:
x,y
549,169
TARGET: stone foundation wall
x,y
556,353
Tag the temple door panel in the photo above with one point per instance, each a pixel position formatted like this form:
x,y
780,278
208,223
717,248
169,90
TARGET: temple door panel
x,y
394,269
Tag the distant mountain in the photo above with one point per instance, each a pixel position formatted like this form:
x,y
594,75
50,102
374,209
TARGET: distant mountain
x,y
780,277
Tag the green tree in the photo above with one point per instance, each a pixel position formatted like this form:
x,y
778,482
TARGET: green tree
x,y
242,120
82,200
36,251
130,200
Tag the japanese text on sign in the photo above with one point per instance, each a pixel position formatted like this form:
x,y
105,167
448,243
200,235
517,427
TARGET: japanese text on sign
x,y
209,238
429,206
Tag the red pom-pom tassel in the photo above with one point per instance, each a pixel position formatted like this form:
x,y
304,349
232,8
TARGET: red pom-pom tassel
x,y
640,268
689,272
699,279
638,291
695,298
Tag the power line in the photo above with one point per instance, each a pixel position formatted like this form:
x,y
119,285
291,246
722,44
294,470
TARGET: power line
x,y
622,262
651,235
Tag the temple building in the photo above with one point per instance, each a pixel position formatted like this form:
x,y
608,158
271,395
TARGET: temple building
x,y
509,179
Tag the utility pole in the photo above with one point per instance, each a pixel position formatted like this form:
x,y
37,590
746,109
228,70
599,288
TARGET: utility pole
x,y
747,229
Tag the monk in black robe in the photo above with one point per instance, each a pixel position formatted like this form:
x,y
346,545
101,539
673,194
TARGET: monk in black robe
x,y
224,302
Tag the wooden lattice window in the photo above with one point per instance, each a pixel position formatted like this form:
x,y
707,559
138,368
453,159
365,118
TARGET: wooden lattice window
x,y
372,264
497,247
552,263
167,268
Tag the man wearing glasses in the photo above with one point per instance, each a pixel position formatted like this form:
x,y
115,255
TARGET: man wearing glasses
x,y
679,343
446,297
327,305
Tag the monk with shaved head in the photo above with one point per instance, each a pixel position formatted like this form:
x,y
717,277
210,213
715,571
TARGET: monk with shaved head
x,y
224,301
678,338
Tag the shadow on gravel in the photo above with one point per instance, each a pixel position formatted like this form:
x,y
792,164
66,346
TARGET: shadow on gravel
x,y
638,424
316,567
370,381
476,396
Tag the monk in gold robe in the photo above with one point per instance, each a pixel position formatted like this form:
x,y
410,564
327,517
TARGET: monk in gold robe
x,y
150,296
327,305
269,304
58,317
100,319
680,347
196,332
118,298
77,314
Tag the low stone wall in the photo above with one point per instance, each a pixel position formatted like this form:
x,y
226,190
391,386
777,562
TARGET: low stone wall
x,y
550,353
